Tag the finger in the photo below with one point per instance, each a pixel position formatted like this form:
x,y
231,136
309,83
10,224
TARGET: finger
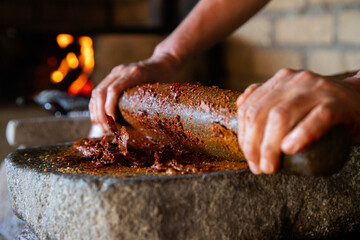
x,y
116,88
92,110
96,131
252,114
248,91
113,93
97,93
250,138
280,121
99,98
319,120
243,110
259,91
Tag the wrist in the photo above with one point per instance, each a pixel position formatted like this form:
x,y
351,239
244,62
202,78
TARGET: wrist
x,y
160,67
168,61
167,51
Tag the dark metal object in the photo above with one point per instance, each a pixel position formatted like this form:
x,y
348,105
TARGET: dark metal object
x,y
203,119
61,102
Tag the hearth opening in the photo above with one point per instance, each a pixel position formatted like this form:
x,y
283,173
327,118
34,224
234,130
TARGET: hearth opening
x,y
32,62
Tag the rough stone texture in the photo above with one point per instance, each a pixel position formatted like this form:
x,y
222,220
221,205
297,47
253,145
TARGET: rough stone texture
x,y
10,225
11,228
26,234
5,208
222,205
47,130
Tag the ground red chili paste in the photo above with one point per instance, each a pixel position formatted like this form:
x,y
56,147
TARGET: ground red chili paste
x,y
129,152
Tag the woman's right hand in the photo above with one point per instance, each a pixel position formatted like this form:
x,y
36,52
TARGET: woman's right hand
x,y
104,98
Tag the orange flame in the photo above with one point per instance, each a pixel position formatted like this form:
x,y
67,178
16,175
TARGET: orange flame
x,y
85,60
64,40
81,85
59,74
72,60
56,76
87,54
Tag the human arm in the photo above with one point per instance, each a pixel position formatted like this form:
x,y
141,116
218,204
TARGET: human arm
x,y
209,22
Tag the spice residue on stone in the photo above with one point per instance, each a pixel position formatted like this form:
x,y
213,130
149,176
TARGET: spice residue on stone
x,y
130,152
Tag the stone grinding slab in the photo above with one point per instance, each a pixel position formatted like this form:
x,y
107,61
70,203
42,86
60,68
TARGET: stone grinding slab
x,y
219,205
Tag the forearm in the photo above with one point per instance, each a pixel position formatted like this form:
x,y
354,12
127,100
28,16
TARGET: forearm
x,y
209,22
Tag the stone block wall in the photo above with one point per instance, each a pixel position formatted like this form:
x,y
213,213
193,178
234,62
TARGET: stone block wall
x,y
319,35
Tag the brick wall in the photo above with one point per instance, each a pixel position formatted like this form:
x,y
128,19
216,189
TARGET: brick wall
x,y
320,35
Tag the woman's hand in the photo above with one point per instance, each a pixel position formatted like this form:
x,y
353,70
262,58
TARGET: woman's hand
x,y
290,111
104,98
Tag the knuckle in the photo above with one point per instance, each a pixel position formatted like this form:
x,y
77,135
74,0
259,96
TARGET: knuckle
x,y
112,90
278,115
323,84
325,112
250,151
266,150
98,92
252,112
306,74
251,87
284,72
135,70
241,111
118,68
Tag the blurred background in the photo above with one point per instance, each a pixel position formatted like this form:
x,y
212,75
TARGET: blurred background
x,y
71,45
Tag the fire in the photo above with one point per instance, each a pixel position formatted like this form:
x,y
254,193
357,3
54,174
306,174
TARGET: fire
x,y
87,54
78,85
72,60
64,40
85,60
57,76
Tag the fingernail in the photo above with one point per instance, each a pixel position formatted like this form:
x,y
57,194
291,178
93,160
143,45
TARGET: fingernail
x,y
254,168
266,166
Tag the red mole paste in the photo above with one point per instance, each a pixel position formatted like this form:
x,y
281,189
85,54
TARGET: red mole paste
x,y
128,152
